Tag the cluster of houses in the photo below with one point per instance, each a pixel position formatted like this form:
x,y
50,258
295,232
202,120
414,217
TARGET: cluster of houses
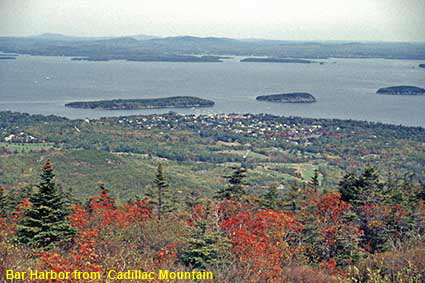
x,y
262,126
20,137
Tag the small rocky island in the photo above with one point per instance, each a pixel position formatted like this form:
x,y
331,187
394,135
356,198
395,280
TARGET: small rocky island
x,y
401,90
277,60
293,97
148,103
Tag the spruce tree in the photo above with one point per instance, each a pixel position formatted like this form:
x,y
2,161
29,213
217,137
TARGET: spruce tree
x,y
235,187
269,200
3,203
206,246
160,195
365,188
192,200
314,180
45,223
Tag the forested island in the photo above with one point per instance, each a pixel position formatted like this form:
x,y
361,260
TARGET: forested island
x,y
277,60
151,58
7,57
146,103
401,90
293,97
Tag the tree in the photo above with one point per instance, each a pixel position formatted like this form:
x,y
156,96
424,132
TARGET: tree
x,y
365,188
192,200
160,195
3,203
269,200
205,246
45,223
314,180
235,187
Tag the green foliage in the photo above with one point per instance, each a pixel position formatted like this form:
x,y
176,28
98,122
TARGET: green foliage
x,y
45,223
3,202
314,180
235,188
160,194
270,200
205,246
361,189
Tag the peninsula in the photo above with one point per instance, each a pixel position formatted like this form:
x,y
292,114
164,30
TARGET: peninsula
x,y
293,97
277,60
148,103
401,90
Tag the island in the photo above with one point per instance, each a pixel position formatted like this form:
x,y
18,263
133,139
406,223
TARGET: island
x,y
146,103
7,57
421,65
152,58
401,90
277,60
294,97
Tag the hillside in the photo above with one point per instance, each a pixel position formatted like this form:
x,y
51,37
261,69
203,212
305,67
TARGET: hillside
x,y
224,197
123,48
122,152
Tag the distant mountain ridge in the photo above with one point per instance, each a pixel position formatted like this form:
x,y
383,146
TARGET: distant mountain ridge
x,y
124,47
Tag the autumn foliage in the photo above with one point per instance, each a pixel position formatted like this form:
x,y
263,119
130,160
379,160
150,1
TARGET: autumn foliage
x,y
325,239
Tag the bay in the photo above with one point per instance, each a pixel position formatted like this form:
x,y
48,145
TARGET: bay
x,y
344,88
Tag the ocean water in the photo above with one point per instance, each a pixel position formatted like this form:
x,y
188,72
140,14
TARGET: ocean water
x,y
344,88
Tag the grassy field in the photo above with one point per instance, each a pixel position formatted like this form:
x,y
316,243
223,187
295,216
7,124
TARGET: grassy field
x,y
26,147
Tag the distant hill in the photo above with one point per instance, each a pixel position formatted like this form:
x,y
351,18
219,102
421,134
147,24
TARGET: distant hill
x,y
53,44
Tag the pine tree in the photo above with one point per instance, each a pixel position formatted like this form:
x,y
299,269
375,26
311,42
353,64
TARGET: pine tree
x,y
160,195
235,187
45,223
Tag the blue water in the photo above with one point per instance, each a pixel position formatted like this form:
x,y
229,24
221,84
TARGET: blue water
x,y
344,88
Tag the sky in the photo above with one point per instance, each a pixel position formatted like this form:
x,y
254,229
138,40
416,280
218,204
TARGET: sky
x,y
362,20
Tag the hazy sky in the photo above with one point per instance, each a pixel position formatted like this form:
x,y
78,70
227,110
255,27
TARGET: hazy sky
x,y
389,20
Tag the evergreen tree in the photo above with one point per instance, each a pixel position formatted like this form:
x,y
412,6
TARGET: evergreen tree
x,y
45,222
3,203
14,198
291,197
270,199
160,195
365,188
205,246
235,187
192,200
314,180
